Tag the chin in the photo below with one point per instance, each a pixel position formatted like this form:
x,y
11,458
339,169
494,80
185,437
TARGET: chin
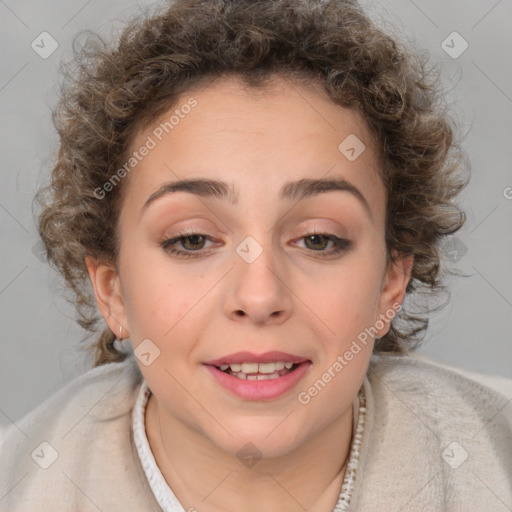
x,y
251,440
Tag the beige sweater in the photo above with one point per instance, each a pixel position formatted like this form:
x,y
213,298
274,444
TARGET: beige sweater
x,y
434,440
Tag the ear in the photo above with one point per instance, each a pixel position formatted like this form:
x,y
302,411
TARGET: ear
x,y
396,279
107,290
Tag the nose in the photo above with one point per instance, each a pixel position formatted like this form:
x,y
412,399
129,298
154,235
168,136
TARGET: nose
x,y
258,289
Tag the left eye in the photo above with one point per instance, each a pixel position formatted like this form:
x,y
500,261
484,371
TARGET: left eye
x,y
318,240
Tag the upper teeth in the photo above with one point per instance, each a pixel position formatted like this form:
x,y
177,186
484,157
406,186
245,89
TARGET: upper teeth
x,y
256,367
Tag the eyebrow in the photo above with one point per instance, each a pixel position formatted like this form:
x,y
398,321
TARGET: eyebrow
x,y
293,190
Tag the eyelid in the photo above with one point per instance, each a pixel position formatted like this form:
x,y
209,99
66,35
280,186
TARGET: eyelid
x,y
312,230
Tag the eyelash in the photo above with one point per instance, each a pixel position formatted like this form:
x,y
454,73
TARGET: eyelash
x,y
340,244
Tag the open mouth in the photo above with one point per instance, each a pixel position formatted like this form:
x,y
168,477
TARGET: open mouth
x,y
264,376
258,371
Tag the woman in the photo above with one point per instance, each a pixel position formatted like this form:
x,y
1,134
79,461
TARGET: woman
x,y
252,190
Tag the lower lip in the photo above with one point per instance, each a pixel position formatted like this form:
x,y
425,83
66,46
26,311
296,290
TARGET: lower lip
x,y
260,389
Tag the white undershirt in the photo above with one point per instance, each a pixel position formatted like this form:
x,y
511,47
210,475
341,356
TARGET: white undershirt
x,y
163,493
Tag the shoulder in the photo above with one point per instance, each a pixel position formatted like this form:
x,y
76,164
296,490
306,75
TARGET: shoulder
x,y
417,370
438,407
444,439
451,395
423,364
77,435
99,393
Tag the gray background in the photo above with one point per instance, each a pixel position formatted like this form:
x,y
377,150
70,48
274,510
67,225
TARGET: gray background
x,y
39,338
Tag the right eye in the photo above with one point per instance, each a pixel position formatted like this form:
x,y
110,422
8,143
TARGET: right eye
x,y
191,241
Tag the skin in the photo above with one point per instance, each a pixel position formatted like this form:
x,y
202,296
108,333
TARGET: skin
x,y
202,308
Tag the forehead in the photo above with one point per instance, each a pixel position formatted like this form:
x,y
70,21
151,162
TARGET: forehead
x,y
257,139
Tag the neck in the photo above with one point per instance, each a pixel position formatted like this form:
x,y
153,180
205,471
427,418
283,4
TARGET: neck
x,y
207,479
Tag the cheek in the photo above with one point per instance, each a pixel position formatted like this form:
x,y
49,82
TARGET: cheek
x,y
159,300
348,300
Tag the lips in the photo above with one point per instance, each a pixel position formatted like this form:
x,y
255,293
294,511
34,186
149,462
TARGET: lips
x,y
251,357
259,389
261,386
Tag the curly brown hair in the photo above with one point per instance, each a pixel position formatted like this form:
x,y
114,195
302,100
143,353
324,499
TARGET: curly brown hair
x,y
111,91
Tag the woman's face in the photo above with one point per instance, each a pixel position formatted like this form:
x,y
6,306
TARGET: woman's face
x,y
253,277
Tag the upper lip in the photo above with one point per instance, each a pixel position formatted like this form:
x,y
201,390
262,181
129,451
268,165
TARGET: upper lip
x,y
251,357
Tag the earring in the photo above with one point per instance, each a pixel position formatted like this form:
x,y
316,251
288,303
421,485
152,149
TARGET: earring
x,y
121,333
